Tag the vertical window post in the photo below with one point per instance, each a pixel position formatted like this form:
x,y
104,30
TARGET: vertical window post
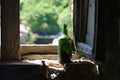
x,y
10,30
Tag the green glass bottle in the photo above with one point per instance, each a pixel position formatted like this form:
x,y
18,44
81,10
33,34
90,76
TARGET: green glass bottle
x,y
65,47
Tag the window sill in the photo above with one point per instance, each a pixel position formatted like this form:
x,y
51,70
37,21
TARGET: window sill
x,y
38,48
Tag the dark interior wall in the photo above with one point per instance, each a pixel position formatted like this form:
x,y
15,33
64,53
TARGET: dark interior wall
x,y
119,22
101,30
0,29
110,14
119,31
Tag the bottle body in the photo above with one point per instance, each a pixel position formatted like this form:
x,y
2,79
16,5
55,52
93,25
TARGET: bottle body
x,y
65,47
65,50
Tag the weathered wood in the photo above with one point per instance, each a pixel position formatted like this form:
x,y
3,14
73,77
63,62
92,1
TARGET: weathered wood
x,y
108,48
101,33
84,19
76,19
112,65
25,49
10,30
80,16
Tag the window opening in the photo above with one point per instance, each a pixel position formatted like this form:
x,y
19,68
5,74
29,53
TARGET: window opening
x,y
41,21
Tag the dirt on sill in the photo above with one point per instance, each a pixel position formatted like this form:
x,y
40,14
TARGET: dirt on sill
x,y
39,56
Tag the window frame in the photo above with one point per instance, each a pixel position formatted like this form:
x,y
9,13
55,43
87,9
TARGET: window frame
x,y
99,44
10,47
46,48
81,8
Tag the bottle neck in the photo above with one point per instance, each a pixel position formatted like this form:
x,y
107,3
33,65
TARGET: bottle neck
x,y
65,32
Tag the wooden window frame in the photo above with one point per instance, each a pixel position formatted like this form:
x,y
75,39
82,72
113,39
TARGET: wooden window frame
x,y
10,30
80,21
10,47
79,27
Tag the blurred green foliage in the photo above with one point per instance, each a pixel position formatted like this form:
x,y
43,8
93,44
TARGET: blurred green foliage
x,y
46,17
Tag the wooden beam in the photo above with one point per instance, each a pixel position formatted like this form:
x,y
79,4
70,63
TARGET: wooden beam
x,y
76,19
101,30
25,49
10,30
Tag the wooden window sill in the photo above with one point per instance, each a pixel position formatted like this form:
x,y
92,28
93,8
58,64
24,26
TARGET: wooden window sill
x,y
38,48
